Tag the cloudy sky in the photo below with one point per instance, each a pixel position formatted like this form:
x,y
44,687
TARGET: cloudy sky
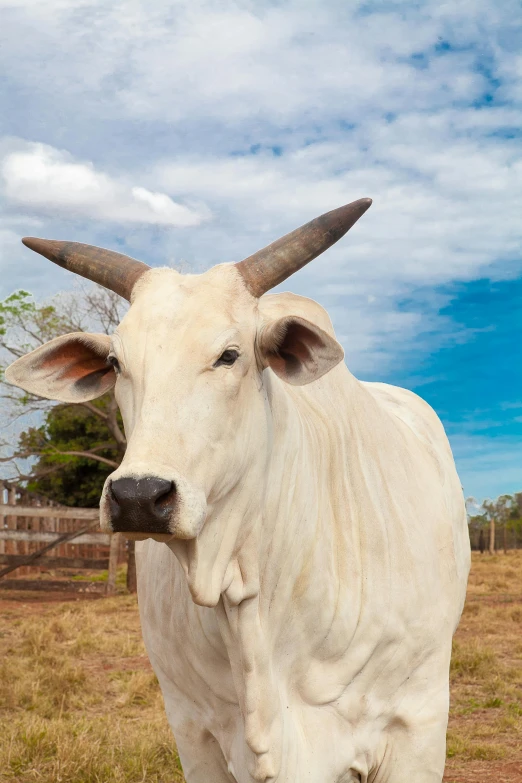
x,y
195,131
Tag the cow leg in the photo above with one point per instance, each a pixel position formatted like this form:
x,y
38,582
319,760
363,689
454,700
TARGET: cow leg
x,y
201,757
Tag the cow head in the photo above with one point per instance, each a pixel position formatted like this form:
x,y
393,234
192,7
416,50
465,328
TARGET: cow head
x,y
187,364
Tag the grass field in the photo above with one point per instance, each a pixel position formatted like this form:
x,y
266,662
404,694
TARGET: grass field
x,y
79,702
485,729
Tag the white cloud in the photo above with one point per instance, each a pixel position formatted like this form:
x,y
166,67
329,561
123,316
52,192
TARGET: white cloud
x,y
232,62
336,86
271,113
8,241
44,180
446,198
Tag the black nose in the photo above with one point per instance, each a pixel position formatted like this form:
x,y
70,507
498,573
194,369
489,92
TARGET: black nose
x,y
143,505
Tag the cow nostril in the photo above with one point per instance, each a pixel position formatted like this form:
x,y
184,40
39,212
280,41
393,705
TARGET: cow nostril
x,y
164,501
147,492
113,494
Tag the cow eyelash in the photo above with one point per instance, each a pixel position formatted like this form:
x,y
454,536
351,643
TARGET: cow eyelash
x,y
227,358
113,362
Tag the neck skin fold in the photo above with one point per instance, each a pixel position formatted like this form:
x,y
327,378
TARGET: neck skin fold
x,y
257,561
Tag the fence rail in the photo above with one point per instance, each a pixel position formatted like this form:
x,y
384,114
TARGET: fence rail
x,y
37,537
63,512
78,563
54,585
95,539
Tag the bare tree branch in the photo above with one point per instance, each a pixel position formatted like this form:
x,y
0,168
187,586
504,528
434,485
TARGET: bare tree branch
x,y
112,424
37,474
89,455
94,410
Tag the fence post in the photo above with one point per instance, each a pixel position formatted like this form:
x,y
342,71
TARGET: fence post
x,y
131,568
113,563
10,521
2,518
492,537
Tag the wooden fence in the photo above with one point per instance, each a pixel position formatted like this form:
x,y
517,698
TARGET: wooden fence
x,y
68,539
506,538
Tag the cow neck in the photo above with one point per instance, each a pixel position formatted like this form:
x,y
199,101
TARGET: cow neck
x,y
277,602
310,528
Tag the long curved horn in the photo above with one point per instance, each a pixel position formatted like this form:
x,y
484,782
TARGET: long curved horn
x,y
270,266
110,269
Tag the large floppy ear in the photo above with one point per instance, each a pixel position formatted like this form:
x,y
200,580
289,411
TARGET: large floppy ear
x,y
297,350
72,368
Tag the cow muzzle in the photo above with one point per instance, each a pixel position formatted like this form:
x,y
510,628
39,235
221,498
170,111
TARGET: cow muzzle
x,y
141,505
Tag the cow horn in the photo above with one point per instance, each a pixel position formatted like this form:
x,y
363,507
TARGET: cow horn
x,y
110,269
270,266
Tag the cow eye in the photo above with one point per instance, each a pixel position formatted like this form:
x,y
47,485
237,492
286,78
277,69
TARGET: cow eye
x,y
227,358
114,363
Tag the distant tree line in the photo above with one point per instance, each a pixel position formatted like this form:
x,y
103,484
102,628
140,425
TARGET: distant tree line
x,y
498,526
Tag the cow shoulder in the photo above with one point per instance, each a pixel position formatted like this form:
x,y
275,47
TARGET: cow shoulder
x,y
413,411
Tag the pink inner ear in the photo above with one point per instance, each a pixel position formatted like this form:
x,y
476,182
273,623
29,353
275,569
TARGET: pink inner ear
x,y
72,361
294,349
299,341
72,368
298,351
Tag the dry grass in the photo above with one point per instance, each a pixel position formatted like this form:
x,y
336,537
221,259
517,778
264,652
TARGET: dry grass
x,y
485,728
78,700
80,704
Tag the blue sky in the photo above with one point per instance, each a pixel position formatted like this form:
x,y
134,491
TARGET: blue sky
x,y
196,132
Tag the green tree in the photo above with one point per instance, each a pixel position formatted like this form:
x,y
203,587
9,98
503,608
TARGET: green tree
x,y
501,514
65,470
490,511
64,451
504,505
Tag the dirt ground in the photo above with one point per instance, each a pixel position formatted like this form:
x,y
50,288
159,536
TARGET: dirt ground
x,y
80,704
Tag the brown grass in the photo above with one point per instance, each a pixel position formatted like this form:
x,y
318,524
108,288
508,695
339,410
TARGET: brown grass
x,y
80,704
485,727
78,700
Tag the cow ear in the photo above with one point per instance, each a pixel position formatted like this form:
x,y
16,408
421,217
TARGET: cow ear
x,y
297,350
72,368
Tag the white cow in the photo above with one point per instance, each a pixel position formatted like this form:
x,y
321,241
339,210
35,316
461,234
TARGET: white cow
x,y
307,551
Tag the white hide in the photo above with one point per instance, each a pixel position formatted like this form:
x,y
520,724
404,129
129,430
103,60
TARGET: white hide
x,y
300,620
346,555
